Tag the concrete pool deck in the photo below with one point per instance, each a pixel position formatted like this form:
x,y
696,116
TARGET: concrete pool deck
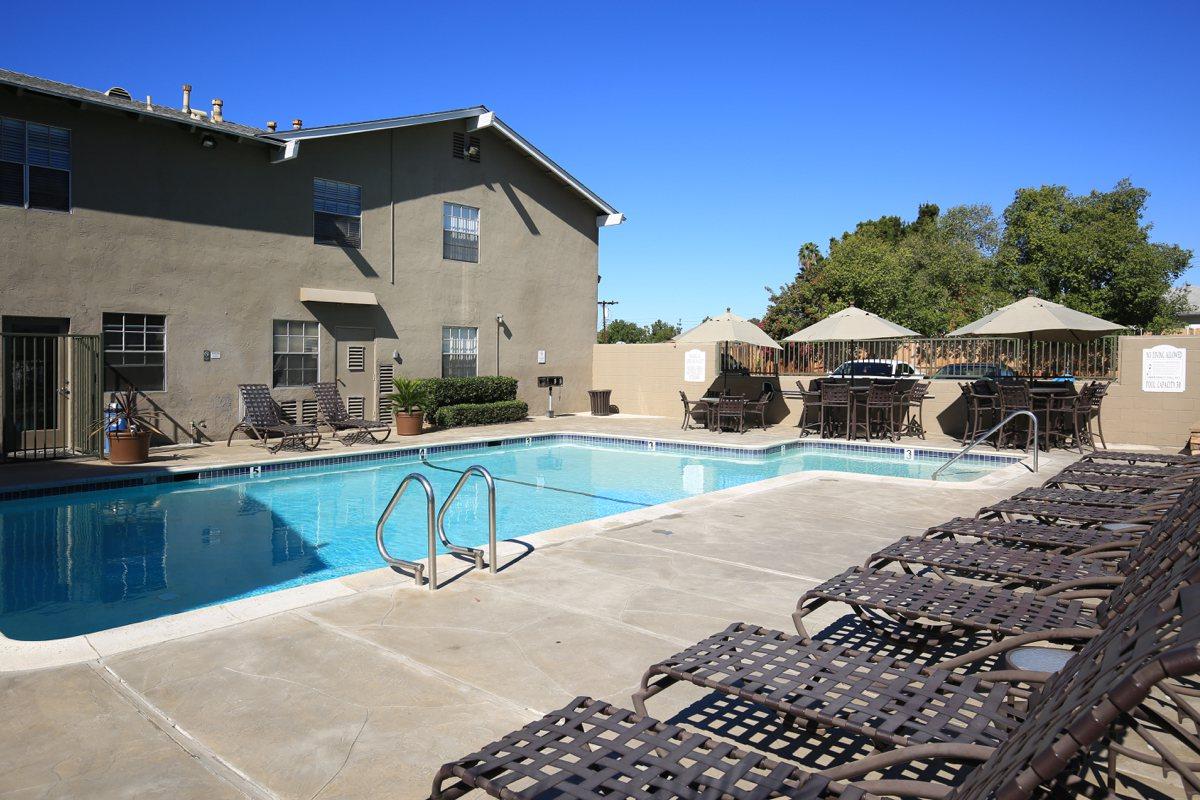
x,y
366,692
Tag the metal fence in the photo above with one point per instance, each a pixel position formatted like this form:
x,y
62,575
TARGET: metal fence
x,y
1093,359
51,395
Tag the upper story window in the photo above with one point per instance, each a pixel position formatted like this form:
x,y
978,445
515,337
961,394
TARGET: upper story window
x,y
337,213
460,232
135,352
296,350
35,165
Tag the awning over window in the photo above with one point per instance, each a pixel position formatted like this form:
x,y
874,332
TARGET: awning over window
x,y
338,296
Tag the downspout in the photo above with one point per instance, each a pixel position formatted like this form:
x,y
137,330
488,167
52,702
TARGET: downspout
x,y
392,200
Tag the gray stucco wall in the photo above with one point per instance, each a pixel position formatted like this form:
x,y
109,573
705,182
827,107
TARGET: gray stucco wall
x,y
220,241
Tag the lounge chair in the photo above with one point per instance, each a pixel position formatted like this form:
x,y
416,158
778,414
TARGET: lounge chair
x,y
262,420
1121,683
1043,506
1141,470
1134,457
335,417
1103,482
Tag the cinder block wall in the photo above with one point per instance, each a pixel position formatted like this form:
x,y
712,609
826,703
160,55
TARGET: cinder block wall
x,y
647,379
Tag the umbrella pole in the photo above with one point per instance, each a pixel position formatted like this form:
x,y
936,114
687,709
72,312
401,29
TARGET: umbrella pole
x,y
724,367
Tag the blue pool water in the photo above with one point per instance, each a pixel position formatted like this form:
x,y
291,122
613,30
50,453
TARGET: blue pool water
x,y
78,563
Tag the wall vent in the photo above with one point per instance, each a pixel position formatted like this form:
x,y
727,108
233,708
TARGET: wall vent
x,y
466,147
287,410
386,373
356,358
356,405
308,411
117,93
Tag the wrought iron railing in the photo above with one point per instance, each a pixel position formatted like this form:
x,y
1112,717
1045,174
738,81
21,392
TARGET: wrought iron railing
x,y
1093,359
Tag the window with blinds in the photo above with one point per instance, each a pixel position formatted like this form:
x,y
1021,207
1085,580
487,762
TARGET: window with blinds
x,y
35,165
337,213
460,232
460,352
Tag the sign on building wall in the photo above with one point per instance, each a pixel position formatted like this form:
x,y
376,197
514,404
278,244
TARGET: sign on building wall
x,y
1164,369
694,366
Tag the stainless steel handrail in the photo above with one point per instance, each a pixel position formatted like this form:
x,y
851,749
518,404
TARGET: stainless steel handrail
x,y
417,568
990,431
475,552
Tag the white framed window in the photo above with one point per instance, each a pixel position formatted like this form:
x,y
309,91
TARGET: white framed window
x,y
35,165
296,346
337,213
460,352
135,351
460,232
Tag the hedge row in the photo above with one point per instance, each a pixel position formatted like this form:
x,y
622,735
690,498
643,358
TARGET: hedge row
x,y
481,413
442,392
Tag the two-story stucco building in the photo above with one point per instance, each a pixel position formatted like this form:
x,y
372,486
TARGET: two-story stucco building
x,y
209,253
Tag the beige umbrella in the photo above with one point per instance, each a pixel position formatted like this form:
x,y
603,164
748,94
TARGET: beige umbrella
x,y
728,327
1039,319
851,324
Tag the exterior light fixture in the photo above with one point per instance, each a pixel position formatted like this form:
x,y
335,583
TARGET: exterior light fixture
x,y
208,142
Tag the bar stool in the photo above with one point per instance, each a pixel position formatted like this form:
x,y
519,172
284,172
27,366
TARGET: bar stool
x,y
914,398
1016,397
979,410
810,413
879,409
835,398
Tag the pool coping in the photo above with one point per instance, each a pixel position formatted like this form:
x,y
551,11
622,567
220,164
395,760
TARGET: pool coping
x,y
177,473
20,655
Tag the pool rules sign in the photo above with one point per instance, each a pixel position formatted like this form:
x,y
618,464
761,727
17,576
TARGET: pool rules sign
x,y
1164,369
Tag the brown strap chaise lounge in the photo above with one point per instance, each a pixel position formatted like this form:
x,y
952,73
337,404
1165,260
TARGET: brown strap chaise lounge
x,y
262,420
1121,692
335,417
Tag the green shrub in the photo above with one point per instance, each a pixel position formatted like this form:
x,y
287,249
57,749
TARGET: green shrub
x,y
442,392
481,413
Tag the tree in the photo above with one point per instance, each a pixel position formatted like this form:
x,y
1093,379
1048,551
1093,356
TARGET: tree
x,y
620,330
660,331
1092,253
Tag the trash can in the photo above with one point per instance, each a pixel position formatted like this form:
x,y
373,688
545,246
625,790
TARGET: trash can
x,y
600,401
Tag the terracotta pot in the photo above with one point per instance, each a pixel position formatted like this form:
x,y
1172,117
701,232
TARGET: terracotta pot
x,y
128,448
408,424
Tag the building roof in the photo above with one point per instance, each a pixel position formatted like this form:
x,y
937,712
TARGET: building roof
x,y
289,140
65,91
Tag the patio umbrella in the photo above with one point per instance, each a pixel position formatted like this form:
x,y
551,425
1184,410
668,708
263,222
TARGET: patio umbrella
x,y
726,328
1039,319
853,325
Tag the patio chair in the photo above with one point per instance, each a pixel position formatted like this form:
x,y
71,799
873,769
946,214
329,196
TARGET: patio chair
x,y
732,409
1047,571
894,702
1016,397
335,417
1120,692
907,600
757,409
879,412
810,412
695,411
914,398
262,420
837,408
980,404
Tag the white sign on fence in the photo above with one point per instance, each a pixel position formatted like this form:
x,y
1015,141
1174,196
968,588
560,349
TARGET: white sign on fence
x,y
694,366
1164,369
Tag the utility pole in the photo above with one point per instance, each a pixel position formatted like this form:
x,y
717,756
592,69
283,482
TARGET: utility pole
x,y
604,304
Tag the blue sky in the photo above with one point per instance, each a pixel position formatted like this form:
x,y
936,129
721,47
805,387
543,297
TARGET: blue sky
x,y
728,133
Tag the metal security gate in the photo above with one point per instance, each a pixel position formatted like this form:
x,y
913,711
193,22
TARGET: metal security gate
x,y
51,396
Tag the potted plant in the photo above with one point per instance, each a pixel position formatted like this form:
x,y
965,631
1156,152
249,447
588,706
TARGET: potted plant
x,y
128,430
407,399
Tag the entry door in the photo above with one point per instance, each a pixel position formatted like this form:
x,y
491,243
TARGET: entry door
x,y
355,371
35,384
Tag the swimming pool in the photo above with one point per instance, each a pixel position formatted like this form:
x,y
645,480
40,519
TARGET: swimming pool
x,y
76,563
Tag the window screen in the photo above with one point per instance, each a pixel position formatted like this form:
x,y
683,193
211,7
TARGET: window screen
x,y
460,352
460,232
295,348
135,352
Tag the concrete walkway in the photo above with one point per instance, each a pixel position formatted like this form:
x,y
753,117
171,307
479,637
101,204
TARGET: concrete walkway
x,y
366,695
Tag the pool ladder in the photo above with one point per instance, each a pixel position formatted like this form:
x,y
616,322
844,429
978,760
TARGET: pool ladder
x,y
988,433
435,526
